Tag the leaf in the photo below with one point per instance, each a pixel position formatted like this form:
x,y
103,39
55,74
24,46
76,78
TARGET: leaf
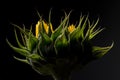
x,y
101,51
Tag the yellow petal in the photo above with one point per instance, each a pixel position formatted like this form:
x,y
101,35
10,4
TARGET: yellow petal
x,y
37,29
71,28
45,27
51,28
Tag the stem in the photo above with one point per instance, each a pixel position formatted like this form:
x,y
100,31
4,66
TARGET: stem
x,y
61,76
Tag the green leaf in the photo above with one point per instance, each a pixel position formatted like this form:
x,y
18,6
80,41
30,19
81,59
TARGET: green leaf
x,y
101,51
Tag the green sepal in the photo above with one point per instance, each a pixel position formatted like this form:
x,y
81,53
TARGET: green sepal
x,y
49,29
19,44
61,42
58,31
79,31
21,30
23,52
45,44
93,26
30,39
22,60
35,57
45,38
31,42
101,51
93,34
23,39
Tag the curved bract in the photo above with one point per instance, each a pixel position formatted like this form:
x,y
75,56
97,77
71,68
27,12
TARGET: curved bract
x,y
59,51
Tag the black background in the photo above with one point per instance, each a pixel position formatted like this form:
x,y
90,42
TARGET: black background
x,y
24,12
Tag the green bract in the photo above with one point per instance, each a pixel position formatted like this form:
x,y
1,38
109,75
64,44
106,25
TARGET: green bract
x,y
58,52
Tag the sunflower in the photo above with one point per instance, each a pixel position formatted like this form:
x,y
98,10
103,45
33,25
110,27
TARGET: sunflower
x,y
58,52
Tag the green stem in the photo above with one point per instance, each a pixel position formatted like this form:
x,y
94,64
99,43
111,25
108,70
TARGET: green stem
x,y
61,76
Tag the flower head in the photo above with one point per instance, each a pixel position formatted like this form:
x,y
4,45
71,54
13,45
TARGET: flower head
x,y
71,28
49,51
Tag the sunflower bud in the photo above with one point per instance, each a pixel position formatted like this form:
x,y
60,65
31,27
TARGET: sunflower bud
x,y
50,51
